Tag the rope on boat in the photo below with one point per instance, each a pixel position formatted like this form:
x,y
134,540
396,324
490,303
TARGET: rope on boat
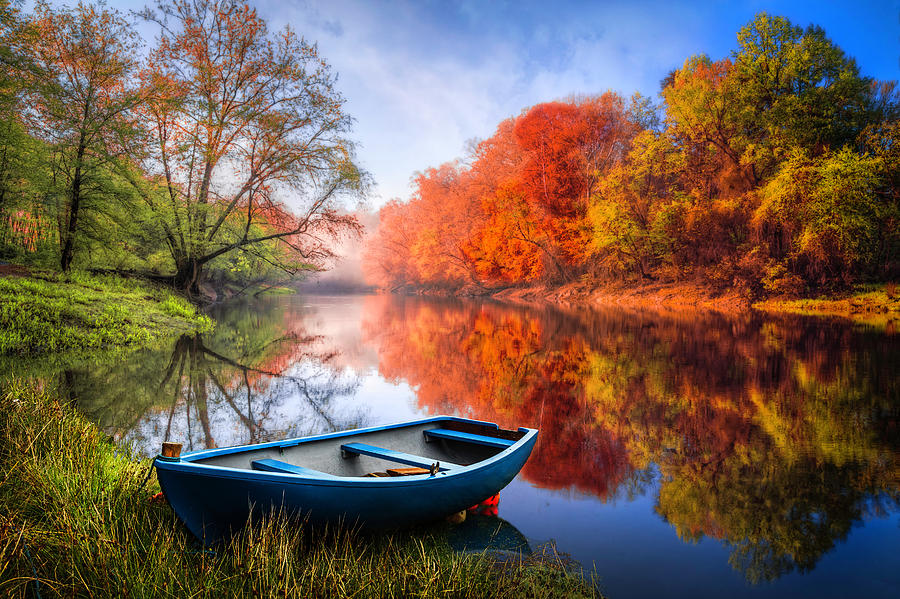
x,y
146,478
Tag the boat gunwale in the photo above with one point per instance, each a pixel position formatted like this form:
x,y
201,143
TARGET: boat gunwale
x,y
187,462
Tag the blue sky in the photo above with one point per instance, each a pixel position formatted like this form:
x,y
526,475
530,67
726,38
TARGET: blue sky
x,y
421,78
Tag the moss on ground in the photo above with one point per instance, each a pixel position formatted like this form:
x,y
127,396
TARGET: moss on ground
x,y
49,312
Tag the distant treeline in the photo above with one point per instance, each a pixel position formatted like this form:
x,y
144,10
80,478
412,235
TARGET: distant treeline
x,y
219,153
776,170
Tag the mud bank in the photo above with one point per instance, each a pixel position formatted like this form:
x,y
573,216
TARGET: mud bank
x,y
874,305
661,296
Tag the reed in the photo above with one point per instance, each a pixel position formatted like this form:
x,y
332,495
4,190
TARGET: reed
x,y
892,290
76,521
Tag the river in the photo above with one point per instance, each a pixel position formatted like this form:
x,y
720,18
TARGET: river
x,y
681,454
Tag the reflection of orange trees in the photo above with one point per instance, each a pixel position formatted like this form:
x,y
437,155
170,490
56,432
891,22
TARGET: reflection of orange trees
x,y
530,379
500,365
415,344
765,434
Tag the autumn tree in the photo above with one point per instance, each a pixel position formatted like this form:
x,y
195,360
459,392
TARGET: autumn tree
x,y
631,206
247,137
567,147
706,226
702,118
499,244
828,216
505,245
448,213
881,140
79,104
17,148
387,262
795,88
803,105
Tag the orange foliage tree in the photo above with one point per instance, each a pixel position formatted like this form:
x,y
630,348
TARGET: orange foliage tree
x,y
386,261
568,146
517,210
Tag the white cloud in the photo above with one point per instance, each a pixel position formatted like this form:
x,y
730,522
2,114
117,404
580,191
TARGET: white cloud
x,y
420,89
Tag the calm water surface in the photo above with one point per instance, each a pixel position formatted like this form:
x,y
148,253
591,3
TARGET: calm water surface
x,y
680,455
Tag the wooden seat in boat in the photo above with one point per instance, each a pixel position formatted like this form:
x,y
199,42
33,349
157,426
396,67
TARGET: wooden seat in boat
x,y
411,471
270,465
349,450
450,435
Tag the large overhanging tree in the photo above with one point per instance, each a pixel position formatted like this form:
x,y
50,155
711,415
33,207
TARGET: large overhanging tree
x,y
242,122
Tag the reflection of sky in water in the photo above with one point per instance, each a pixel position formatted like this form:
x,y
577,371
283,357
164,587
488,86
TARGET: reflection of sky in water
x,y
602,512
636,553
372,401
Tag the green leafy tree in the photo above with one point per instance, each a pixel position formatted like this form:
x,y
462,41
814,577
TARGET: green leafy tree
x,y
795,89
823,215
80,104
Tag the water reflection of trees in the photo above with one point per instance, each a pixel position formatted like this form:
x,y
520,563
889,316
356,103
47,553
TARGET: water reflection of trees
x,y
775,435
258,377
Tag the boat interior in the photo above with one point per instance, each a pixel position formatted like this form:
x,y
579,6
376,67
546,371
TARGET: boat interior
x,y
422,448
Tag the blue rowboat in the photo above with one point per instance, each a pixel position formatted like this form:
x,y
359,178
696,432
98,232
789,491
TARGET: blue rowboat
x,y
380,477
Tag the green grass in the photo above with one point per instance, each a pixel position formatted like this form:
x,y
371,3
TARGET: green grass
x,y
876,305
50,312
76,521
277,290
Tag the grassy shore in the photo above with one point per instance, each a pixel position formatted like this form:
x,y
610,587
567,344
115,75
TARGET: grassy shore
x,y
874,305
76,521
51,312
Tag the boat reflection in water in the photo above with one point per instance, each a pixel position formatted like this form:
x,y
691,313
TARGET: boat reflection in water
x,y
775,437
484,532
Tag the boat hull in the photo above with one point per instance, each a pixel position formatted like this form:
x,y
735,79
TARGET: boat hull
x,y
215,501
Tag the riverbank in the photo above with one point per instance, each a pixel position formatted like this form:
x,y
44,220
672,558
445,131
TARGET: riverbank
x,y
655,296
77,521
43,312
874,305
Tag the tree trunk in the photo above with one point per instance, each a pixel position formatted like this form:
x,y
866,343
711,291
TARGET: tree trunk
x,y
68,248
187,276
